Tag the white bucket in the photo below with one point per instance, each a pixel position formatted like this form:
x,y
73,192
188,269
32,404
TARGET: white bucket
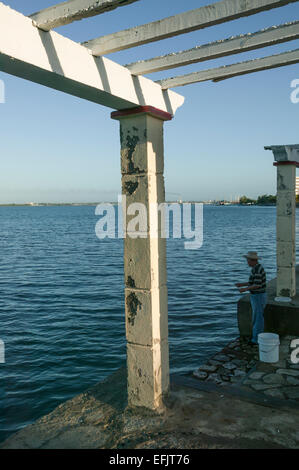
x,y
268,347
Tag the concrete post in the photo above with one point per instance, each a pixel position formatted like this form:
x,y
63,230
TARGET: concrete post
x,y
285,230
286,160
142,165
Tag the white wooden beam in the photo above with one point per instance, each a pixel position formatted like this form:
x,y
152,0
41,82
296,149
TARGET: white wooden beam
x,y
57,62
213,50
209,15
73,10
229,71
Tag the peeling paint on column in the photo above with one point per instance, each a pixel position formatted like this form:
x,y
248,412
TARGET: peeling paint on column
x,y
131,144
280,182
130,282
130,187
289,208
121,134
133,304
128,145
135,394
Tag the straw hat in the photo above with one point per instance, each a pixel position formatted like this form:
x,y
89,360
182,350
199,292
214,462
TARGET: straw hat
x,y
252,255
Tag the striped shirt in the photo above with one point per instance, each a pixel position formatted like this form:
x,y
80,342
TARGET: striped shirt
x,y
258,278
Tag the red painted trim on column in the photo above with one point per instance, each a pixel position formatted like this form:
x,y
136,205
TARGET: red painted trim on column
x,y
158,113
286,163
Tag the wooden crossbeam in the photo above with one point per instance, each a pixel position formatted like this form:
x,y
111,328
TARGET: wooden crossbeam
x,y
229,71
244,42
73,10
209,15
57,62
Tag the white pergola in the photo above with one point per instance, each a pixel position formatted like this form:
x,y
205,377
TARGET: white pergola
x,y
30,49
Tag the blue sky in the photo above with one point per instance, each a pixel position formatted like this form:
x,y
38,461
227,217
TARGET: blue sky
x,y
58,148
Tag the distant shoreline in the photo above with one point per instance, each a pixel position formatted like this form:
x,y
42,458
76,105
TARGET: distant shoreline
x,y
58,204
45,204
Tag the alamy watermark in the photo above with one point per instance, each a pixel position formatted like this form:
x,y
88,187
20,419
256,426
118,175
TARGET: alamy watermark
x,y
2,352
2,92
295,352
187,221
295,93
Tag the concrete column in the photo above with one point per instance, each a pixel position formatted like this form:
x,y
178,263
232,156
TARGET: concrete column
x,y
286,160
285,229
142,165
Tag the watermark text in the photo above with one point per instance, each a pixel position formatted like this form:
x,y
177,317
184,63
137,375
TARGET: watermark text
x,y
295,352
2,352
164,220
295,93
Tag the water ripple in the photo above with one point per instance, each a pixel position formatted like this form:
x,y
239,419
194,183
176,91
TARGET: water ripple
x,y
62,302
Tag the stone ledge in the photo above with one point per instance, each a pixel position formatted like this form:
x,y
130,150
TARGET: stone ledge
x,y
240,366
192,419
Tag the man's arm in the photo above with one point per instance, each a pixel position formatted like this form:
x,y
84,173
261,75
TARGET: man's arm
x,y
250,288
256,280
241,284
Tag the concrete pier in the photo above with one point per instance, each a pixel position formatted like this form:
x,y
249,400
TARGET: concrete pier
x,y
249,412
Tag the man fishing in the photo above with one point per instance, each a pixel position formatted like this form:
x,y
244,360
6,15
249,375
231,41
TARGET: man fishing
x,y
258,297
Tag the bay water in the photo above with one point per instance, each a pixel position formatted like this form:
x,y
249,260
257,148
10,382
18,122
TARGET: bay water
x,y
62,299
